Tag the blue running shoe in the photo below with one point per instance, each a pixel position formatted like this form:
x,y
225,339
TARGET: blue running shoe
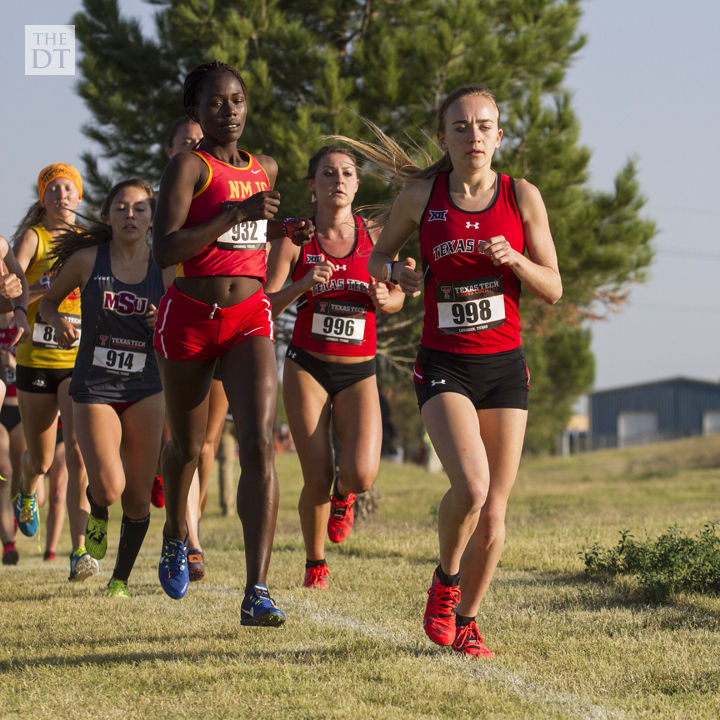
x,y
258,608
26,513
173,568
82,566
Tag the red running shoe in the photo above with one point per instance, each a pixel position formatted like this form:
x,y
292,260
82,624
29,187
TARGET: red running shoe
x,y
439,620
468,642
341,517
10,554
49,555
157,496
315,576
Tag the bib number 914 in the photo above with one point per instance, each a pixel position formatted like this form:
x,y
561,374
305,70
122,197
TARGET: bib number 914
x,y
119,361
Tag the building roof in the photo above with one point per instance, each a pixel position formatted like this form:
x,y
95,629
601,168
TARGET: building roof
x,y
667,381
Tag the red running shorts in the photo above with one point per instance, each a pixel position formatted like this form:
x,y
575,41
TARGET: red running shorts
x,y
188,329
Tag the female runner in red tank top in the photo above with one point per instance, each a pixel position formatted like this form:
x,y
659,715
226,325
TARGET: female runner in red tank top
x,y
470,375
329,370
217,311
13,293
184,135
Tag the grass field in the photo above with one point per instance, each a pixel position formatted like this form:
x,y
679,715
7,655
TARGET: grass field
x,y
565,647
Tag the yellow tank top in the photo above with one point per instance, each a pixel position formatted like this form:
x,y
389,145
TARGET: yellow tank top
x,y
42,350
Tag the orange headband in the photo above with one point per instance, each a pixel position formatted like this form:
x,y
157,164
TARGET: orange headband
x,y
56,170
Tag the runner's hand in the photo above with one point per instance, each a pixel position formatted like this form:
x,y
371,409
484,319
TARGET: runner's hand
x,y
379,293
319,274
20,323
260,206
151,316
409,280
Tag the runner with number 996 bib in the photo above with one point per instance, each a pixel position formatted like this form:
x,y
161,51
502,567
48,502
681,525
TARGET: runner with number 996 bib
x,y
329,373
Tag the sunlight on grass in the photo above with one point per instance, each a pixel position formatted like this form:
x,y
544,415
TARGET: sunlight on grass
x,y
566,646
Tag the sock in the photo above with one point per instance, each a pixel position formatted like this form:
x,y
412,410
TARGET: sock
x,y
462,620
335,490
447,580
98,511
132,534
314,563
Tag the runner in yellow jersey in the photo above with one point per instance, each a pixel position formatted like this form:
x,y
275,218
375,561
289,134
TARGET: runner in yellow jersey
x,y
44,368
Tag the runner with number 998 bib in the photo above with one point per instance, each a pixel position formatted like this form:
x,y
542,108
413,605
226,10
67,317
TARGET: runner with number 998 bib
x,y
476,226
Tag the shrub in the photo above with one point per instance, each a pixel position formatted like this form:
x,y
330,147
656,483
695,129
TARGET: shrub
x,y
673,563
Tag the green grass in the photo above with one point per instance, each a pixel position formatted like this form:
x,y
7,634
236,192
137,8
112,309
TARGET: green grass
x,y
566,646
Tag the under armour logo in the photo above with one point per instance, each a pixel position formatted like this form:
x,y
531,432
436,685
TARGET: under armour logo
x,y
475,225
291,354
433,383
341,267
437,215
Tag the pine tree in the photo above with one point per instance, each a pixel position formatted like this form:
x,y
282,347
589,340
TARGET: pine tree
x,y
317,67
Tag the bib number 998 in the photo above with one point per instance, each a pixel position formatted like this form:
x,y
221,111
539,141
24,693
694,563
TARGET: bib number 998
x,y
470,313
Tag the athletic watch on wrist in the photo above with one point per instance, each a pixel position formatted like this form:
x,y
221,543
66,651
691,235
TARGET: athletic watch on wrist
x,y
388,272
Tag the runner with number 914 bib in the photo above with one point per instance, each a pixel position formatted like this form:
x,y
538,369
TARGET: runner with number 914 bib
x,y
116,390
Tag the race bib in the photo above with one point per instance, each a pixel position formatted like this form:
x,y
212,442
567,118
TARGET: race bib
x,y
121,362
250,235
337,321
44,334
466,306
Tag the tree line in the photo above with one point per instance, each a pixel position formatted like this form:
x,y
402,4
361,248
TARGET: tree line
x,y
318,67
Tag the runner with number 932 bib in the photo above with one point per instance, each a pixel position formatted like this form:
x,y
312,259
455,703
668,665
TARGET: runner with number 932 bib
x,y
215,214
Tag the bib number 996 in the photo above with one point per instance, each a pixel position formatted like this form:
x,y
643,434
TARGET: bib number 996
x,y
339,327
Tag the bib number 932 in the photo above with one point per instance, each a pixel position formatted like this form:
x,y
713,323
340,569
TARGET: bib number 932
x,y
250,235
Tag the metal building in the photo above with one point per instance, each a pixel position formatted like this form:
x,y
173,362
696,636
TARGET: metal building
x,y
654,411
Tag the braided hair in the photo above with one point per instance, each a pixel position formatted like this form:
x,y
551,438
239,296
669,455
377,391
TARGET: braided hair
x,y
194,80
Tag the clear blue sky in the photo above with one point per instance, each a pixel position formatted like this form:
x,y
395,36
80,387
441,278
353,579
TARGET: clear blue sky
x,y
644,86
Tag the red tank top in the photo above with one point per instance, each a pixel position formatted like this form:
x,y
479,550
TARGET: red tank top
x,y
241,250
471,306
338,317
